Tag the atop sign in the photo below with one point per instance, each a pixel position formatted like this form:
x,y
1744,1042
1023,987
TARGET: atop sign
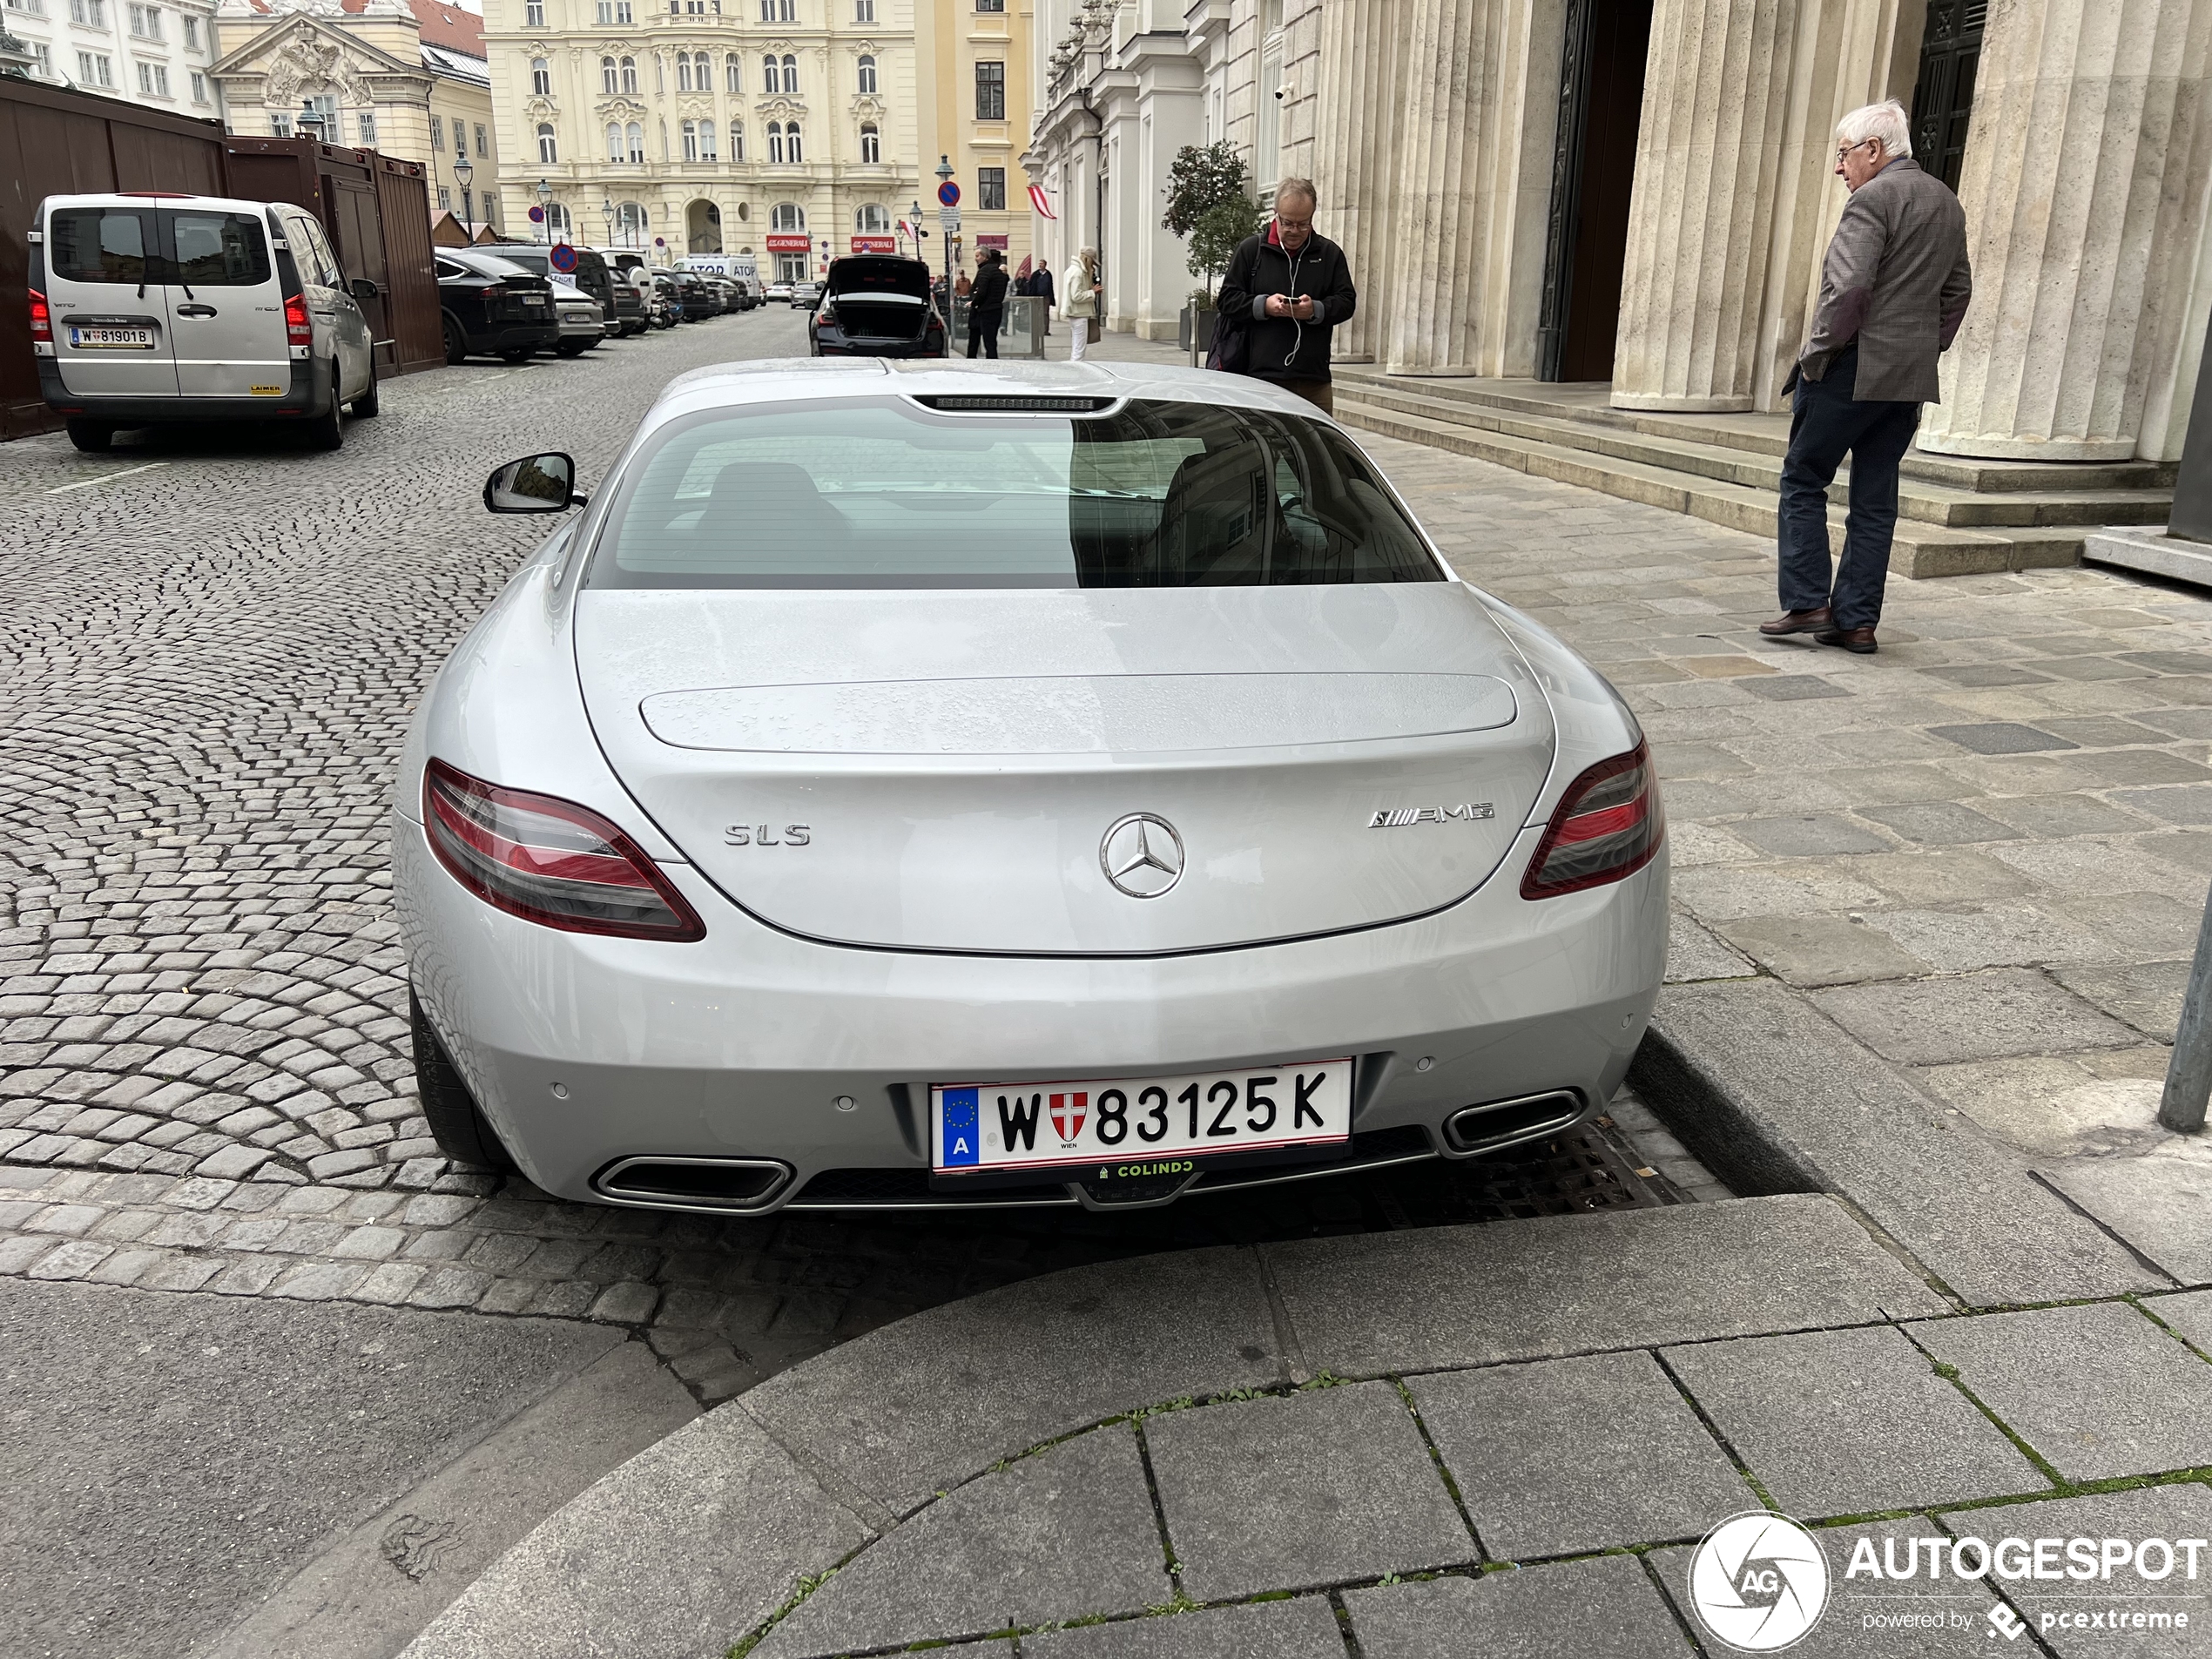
x,y
948,193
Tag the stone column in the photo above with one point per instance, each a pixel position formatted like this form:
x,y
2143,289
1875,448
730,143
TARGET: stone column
x,y
1355,154
1716,92
2083,188
1437,252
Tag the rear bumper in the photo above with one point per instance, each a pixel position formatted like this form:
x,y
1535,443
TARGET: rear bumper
x,y
583,1050
307,396
835,342
515,336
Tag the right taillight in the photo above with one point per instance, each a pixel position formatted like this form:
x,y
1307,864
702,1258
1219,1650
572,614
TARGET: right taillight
x,y
1607,826
42,320
550,862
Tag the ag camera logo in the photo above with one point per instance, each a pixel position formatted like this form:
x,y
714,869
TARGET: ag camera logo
x,y
1758,1581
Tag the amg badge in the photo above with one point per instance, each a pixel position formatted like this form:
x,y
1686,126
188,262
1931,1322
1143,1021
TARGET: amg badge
x,y
1397,818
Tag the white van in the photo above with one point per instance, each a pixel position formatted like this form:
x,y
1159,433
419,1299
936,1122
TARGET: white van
x,y
150,309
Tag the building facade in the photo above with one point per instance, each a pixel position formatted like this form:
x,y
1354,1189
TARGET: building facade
x,y
1639,192
780,128
154,52
407,77
974,81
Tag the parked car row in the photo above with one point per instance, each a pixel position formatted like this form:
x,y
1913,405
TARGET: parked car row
x,y
513,299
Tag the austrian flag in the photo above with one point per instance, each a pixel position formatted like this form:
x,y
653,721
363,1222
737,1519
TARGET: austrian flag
x,y
1068,1114
1039,201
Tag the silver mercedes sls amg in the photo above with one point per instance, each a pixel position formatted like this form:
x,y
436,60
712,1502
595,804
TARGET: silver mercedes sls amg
x,y
910,785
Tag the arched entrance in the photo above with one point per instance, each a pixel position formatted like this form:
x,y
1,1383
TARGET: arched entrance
x,y
703,227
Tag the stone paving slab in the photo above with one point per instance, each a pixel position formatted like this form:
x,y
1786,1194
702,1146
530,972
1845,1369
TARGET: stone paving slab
x,y
1303,1627
1453,1296
1641,1465
2190,1314
1849,1422
1287,1494
1604,1608
2097,1390
2157,1204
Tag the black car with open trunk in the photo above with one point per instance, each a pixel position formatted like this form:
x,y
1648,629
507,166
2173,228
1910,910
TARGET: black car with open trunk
x,y
877,305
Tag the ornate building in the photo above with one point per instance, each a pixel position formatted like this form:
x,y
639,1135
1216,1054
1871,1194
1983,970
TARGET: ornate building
x,y
1639,192
153,52
975,89
781,128
404,77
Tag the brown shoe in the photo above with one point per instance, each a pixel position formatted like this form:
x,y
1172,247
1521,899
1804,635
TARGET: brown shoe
x,y
1797,622
1858,639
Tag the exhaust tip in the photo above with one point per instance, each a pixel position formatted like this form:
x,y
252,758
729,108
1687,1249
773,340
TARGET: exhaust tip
x,y
693,1183
1506,1122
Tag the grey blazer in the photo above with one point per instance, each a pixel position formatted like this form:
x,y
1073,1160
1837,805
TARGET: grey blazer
x,y
1896,281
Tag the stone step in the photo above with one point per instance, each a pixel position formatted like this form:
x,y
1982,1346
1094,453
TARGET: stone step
x,y
1920,549
1917,499
1763,435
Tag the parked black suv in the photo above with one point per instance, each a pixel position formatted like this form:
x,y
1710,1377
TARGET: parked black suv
x,y
494,307
620,304
877,305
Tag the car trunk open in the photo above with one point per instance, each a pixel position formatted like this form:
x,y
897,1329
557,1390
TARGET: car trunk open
x,y
938,769
878,298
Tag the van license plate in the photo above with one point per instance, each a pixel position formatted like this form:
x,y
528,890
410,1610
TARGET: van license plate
x,y
110,338
978,1127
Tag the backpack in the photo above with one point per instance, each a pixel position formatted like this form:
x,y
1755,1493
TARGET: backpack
x,y
1231,347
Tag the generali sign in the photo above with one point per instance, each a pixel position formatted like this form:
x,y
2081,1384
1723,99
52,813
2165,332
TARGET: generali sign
x,y
792,244
872,245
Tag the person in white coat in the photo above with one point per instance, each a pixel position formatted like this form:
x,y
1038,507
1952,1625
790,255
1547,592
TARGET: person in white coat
x,y
1080,304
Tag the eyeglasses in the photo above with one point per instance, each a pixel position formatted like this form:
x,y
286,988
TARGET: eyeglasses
x,y
1298,225
1846,149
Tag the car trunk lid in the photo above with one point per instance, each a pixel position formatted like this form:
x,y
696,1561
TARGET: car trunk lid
x,y
944,771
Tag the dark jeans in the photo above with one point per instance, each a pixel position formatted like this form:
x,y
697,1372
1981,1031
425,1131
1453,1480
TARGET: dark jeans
x,y
983,330
1825,423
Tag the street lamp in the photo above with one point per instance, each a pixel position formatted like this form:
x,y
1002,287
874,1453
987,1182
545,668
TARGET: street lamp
x,y
463,175
607,212
545,209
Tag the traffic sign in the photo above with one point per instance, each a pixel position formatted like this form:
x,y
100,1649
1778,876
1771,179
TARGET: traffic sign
x,y
950,219
562,257
948,193
537,216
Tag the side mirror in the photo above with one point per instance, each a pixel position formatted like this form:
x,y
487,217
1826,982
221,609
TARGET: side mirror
x,y
362,288
535,484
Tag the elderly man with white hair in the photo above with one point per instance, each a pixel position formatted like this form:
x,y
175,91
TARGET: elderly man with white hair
x,y
1893,293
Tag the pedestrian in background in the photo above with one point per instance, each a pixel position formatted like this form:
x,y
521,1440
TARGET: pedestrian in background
x,y
987,303
1040,288
1081,308
1286,290
963,287
1893,290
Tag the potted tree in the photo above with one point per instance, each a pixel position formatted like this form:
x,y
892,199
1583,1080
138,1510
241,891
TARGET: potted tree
x,y
1210,205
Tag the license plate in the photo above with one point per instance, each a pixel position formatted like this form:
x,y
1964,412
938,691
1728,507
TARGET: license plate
x,y
979,1127
110,338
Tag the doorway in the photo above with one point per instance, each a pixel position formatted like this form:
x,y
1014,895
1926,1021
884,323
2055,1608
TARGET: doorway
x,y
1601,104
1943,100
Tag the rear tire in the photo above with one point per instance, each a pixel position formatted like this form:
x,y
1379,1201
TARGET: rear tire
x,y
93,437
457,342
328,431
365,404
456,1122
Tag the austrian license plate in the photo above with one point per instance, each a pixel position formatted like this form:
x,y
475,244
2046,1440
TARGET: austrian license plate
x,y
978,1128
110,338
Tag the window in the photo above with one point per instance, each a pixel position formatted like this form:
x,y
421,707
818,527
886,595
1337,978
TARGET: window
x,y
91,13
871,147
683,71
556,219
32,8
768,82
365,123
547,151
606,11
483,142
1158,495
703,71
660,73
629,223
460,136
41,60
622,11
790,74
706,142
867,74
636,136
99,244
445,199
145,22
873,216
737,141
779,12
437,134
199,87
775,142
614,141
787,216
153,79
732,73
990,189
863,11
990,5
990,91
630,76
192,34
791,142
534,14
691,140
93,69
541,77
607,76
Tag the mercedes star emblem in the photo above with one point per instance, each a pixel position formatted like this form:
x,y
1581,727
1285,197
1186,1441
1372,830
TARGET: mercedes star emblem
x,y
1142,855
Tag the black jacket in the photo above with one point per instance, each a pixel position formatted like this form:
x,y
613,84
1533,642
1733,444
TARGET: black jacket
x,y
988,292
1040,284
1281,348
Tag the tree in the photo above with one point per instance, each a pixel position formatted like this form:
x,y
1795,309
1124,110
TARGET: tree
x,y
1209,203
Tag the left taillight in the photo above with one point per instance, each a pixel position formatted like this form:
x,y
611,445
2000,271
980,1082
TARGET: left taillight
x,y
42,320
297,329
550,862
1607,826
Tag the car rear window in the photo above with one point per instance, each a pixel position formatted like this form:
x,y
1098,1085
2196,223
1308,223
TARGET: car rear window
x,y
101,244
890,494
219,250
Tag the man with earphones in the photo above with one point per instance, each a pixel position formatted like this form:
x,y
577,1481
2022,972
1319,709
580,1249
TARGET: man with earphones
x,y
1286,290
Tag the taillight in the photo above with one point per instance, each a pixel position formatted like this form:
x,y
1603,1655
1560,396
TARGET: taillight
x,y
42,320
827,315
550,862
497,290
297,329
1607,826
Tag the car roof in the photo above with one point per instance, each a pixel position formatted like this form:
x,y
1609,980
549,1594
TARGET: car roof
x,y
780,379
159,198
487,264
